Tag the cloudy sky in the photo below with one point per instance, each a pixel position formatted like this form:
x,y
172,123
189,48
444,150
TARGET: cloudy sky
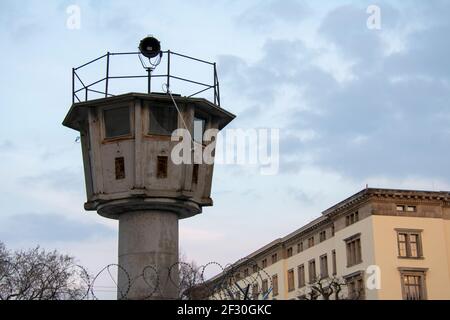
x,y
354,106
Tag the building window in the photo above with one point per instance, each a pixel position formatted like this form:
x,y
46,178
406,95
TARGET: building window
x,y
332,230
255,291
274,258
301,276
401,208
265,287
355,286
409,243
275,285
333,256
161,169
300,247
255,268
312,271
311,242
353,245
352,218
324,266
117,122
199,129
289,252
291,281
413,284
245,272
323,236
264,263
163,120
120,168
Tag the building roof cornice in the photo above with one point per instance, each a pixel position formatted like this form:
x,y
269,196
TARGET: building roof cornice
x,y
386,194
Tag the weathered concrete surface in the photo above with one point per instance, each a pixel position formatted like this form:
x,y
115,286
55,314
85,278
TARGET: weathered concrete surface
x,y
140,151
148,240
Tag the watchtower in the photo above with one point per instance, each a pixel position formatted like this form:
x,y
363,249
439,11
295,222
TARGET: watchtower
x,y
128,142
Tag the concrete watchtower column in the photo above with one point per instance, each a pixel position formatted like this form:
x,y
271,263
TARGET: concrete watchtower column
x,y
149,238
148,245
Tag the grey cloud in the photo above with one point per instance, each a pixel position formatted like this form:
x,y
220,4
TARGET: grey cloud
x,y
392,120
42,228
66,178
300,196
265,14
6,145
346,28
427,54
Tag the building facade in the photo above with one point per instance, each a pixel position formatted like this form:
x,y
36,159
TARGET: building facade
x,y
377,244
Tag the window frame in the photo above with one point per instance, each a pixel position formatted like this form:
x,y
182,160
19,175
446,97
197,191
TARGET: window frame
x,y
351,218
324,272
199,117
255,291
274,258
414,272
311,242
408,233
357,259
275,289
265,286
289,252
322,236
158,106
104,123
312,271
291,280
353,281
301,274
264,263
334,262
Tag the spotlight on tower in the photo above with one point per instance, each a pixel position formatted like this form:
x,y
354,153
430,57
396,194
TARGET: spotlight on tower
x,y
150,47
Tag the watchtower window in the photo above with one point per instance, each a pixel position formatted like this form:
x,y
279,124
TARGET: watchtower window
x,y
161,171
117,122
120,168
199,129
195,173
163,120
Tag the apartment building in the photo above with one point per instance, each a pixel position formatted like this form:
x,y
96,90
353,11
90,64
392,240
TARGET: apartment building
x,y
379,243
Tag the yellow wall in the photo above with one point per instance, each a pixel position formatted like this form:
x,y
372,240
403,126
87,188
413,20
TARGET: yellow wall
x,y
435,242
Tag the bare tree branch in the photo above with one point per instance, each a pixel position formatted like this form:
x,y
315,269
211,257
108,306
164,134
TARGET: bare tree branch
x,y
39,275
